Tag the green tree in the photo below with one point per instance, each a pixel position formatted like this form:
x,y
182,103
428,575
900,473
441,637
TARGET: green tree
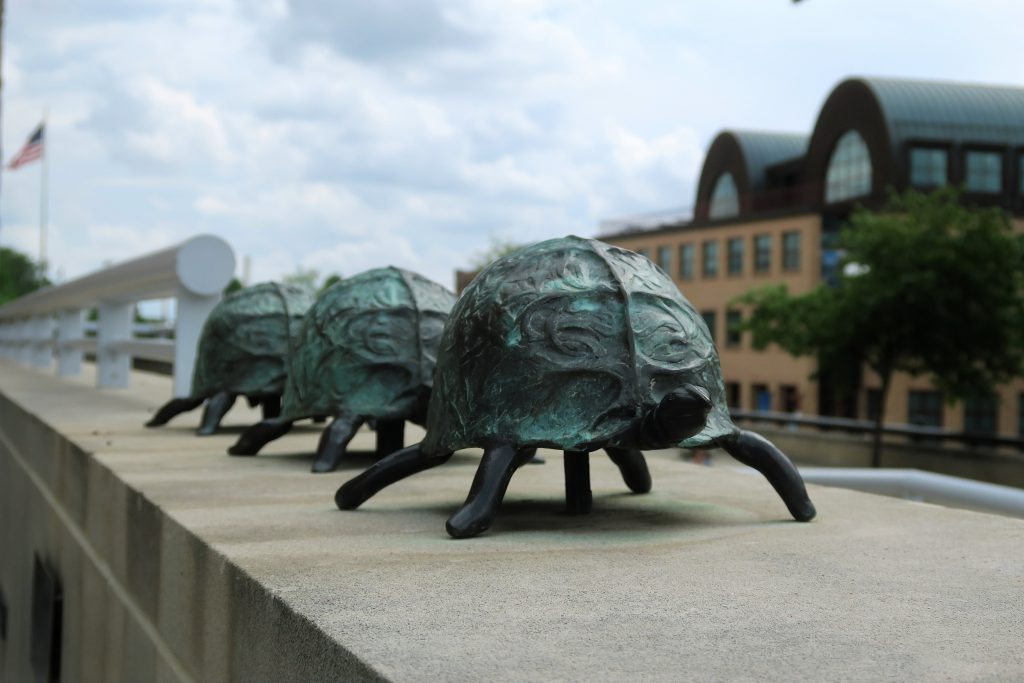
x,y
18,275
332,279
233,286
929,287
307,277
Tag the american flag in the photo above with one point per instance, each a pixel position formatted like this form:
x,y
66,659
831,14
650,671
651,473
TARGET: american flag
x,y
32,150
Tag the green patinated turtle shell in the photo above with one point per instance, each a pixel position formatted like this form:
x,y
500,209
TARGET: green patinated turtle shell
x,y
565,344
244,345
368,346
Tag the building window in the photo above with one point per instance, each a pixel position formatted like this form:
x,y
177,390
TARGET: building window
x,y
924,408
733,336
791,250
762,397
874,403
981,414
984,172
849,169
735,255
1020,414
790,398
725,198
928,166
644,251
710,260
710,319
732,394
762,253
686,261
665,259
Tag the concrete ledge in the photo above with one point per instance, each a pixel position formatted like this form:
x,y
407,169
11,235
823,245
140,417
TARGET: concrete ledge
x,y
180,563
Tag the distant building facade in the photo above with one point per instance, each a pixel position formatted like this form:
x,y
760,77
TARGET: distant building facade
x,y
769,207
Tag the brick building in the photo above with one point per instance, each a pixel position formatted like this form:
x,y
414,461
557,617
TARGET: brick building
x,y
769,207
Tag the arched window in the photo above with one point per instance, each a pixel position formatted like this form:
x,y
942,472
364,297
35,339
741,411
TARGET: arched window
x,y
725,199
849,169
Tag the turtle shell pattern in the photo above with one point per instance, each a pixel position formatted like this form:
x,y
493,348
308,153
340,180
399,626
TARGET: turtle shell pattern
x,y
368,346
564,344
244,345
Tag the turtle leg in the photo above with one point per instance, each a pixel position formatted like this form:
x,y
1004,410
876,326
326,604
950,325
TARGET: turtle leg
x,y
271,406
390,436
173,408
496,468
535,459
259,435
383,473
633,467
218,405
333,442
755,451
578,497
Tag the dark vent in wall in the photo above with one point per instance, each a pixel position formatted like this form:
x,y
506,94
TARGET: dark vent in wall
x,y
47,622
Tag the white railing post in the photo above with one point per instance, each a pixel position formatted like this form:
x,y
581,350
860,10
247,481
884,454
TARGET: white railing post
x,y
6,341
69,332
195,272
193,309
115,325
41,327
25,341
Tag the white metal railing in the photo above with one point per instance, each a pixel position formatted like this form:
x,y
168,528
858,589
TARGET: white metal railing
x,y
51,321
927,487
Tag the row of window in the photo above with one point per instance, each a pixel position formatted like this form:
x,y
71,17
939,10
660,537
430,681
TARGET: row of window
x,y
733,336
849,173
849,169
735,256
926,408
761,397
983,169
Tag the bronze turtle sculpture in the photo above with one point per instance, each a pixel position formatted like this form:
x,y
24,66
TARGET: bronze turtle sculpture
x,y
576,345
366,353
242,351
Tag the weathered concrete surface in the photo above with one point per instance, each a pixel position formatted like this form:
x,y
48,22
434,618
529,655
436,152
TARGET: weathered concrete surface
x,y
243,569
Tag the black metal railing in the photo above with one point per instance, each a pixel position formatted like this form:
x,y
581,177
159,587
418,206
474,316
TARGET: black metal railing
x,y
852,426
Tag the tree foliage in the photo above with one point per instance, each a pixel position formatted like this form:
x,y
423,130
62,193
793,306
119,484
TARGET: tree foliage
x,y
18,275
938,291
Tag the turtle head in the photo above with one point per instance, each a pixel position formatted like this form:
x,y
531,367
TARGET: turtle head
x,y
682,413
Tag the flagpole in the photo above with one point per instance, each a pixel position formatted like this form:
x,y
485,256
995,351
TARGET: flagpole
x,y
44,195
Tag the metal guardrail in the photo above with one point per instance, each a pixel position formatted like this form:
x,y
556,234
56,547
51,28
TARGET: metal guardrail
x,y
867,427
52,321
927,487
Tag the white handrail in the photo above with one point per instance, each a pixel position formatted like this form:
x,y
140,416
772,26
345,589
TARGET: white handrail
x,y
194,272
928,487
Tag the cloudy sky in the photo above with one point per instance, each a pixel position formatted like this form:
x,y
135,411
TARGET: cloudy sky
x,y
345,134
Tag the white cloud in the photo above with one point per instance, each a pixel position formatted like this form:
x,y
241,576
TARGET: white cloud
x,y
343,136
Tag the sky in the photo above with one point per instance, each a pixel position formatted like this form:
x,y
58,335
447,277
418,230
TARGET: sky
x,y
341,135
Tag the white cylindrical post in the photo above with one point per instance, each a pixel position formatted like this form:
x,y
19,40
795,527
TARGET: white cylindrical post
x,y
115,325
42,341
5,338
193,309
25,341
69,331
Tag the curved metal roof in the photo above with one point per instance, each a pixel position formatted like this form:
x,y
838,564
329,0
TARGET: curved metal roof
x,y
949,111
762,149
